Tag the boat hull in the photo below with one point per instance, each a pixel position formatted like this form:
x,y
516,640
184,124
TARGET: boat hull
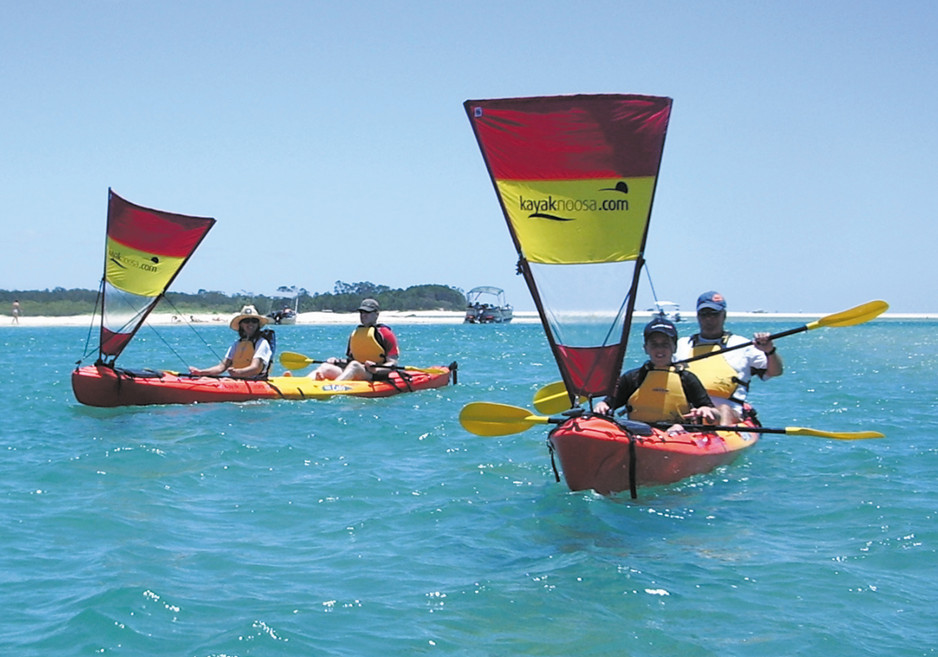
x,y
488,315
596,453
99,385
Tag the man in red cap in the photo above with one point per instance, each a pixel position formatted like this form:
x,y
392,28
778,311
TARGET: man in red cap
x,y
726,376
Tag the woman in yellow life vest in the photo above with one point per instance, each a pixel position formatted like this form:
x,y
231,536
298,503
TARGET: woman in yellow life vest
x,y
372,350
250,354
658,391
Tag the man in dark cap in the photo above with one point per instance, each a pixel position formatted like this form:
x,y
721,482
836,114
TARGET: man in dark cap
x,y
726,376
658,391
371,346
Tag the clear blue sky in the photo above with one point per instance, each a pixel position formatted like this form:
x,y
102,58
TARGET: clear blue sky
x,y
330,142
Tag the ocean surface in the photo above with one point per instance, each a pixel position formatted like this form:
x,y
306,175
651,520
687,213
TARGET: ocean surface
x,y
359,527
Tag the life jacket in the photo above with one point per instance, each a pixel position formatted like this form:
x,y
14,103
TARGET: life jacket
x,y
366,343
659,398
718,377
244,351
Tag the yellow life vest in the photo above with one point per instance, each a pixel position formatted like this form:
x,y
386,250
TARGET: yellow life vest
x,y
363,345
243,354
660,398
717,375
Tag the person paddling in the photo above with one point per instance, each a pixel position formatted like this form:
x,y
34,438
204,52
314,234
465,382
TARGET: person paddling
x,y
249,356
370,346
659,391
726,376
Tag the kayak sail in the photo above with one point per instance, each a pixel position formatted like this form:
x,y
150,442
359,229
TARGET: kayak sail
x,y
145,251
576,177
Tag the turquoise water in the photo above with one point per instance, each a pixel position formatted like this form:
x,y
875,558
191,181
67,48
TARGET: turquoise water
x,y
380,527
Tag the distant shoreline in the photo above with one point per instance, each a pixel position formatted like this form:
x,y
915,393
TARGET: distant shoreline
x,y
396,317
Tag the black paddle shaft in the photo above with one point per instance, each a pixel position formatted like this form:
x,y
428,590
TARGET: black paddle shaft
x,y
774,336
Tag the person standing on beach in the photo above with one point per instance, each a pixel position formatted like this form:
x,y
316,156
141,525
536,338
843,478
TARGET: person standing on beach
x,y
726,376
16,311
370,346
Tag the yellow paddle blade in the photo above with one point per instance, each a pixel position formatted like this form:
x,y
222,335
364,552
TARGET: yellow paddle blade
x,y
426,370
490,419
862,313
836,435
553,398
294,361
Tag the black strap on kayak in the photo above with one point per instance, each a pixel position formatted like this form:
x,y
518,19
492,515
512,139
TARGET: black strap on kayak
x,y
553,461
276,389
633,429
632,483
405,378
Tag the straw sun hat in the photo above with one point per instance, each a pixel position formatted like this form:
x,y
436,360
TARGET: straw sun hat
x,y
246,312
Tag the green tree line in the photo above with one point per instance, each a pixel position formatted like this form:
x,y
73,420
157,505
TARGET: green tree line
x,y
344,297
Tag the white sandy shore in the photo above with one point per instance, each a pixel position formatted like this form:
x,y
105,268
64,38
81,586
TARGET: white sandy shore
x,y
394,317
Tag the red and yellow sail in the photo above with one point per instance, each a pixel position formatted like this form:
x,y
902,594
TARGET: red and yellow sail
x,y
145,251
576,177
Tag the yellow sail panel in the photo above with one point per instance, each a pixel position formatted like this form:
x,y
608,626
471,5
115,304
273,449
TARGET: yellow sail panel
x,y
578,221
139,272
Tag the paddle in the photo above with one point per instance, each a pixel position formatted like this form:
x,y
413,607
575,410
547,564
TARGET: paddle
x,y
553,398
851,317
490,419
788,431
295,361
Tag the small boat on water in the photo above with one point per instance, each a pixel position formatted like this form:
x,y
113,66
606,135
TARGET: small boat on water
x,y
667,310
145,251
487,305
286,315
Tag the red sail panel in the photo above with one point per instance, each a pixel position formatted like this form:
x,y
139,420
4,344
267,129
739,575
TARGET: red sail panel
x,y
585,366
145,251
572,137
575,177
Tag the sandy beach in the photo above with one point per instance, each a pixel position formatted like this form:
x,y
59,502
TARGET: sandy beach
x,y
395,317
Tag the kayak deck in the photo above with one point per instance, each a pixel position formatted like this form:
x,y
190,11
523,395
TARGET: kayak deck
x,y
100,385
597,453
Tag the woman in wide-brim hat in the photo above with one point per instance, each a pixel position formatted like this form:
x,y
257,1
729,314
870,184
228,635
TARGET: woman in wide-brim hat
x,y
250,354
247,312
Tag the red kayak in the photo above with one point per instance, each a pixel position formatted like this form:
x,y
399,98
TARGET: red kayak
x,y
601,454
102,385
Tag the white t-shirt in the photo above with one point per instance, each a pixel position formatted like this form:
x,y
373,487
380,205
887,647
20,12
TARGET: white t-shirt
x,y
744,360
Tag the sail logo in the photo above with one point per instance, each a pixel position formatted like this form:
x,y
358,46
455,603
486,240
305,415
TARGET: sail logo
x,y
553,208
125,261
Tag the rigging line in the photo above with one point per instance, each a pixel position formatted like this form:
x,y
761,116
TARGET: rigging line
x,y
88,350
191,328
618,321
650,284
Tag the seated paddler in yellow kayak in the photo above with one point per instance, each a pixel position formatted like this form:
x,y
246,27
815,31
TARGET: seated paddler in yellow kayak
x,y
370,346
